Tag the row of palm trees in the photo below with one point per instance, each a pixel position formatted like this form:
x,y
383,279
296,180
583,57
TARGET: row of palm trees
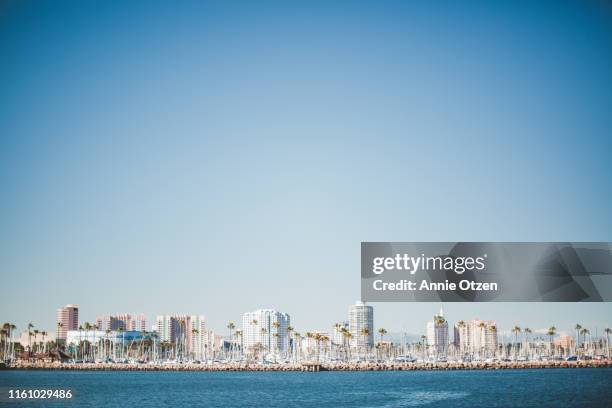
x,y
6,341
582,344
9,347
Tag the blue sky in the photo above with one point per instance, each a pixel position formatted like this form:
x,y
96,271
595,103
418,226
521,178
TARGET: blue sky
x,y
214,158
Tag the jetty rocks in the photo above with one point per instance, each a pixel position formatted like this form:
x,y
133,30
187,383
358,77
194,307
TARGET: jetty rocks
x,y
311,366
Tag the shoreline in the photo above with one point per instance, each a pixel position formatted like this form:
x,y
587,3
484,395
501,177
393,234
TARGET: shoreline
x,y
310,367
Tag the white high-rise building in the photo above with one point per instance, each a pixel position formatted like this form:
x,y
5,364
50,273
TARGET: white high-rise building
x,y
361,317
265,327
476,336
437,334
200,343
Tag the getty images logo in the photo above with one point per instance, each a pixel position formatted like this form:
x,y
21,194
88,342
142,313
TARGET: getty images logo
x,y
412,264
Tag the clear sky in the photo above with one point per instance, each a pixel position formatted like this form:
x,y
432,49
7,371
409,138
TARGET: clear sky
x,y
215,158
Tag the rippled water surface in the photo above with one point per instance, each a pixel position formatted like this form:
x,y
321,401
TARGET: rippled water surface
x,y
520,388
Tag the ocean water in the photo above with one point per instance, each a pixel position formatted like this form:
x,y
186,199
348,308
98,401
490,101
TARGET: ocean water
x,y
507,388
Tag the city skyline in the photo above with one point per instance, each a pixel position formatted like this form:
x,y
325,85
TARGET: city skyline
x,y
267,336
503,330
215,159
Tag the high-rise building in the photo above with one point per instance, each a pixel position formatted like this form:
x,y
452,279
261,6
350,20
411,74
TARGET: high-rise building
x,y
266,328
201,341
67,319
188,332
437,334
476,336
361,325
125,321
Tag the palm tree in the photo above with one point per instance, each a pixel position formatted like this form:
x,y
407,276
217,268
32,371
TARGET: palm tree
x,y
337,328
80,340
349,339
461,327
578,327
494,332
309,337
516,330
44,334
423,339
153,336
8,329
30,327
88,327
182,338
254,323
289,340
120,330
607,331
12,328
194,333
276,337
584,331
365,332
275,326
231,326
263,332
527,332
382,333
324,339
317,338
346,344
551,333
36,343
95,329
483,342
106,343
4,339
239,336
439,321
59,326
298,345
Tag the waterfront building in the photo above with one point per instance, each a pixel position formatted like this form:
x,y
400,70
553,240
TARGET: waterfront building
x,y
265,328
123,321
27,339
76,337
316,344
227,345
188,332
201,342
437,335
67,318
361,316
338,337
215,342
565,341
476,336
